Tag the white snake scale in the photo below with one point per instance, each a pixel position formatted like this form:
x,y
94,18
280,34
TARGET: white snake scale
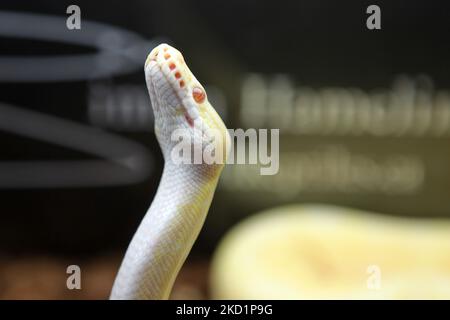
x,y
176,215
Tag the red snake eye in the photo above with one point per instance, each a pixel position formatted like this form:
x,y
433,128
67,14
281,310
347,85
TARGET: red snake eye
x,y
198,94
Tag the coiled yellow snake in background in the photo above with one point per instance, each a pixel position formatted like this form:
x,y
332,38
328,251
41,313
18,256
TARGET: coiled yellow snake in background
x,y
330,252
176,215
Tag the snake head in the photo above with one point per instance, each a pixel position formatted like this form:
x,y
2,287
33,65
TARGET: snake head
x,y
184,118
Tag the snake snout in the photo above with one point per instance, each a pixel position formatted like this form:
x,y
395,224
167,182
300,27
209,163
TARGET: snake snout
x,y
173,83
172,64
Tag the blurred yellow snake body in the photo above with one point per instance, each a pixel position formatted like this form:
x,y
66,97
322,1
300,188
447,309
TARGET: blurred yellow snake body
x,y
331,252
176,215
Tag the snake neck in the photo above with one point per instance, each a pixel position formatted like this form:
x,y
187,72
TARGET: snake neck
x,y
167,232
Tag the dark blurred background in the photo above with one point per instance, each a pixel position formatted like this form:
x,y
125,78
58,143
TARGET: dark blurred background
x,y
364,118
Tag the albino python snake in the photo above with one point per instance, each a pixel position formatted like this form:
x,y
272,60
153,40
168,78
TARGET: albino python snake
x,y
300,252
176,215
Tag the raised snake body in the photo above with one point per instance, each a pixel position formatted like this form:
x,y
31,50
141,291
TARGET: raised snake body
x,y
176,215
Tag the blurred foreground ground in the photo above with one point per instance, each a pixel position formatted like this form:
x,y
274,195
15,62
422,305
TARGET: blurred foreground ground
x,y
45,278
